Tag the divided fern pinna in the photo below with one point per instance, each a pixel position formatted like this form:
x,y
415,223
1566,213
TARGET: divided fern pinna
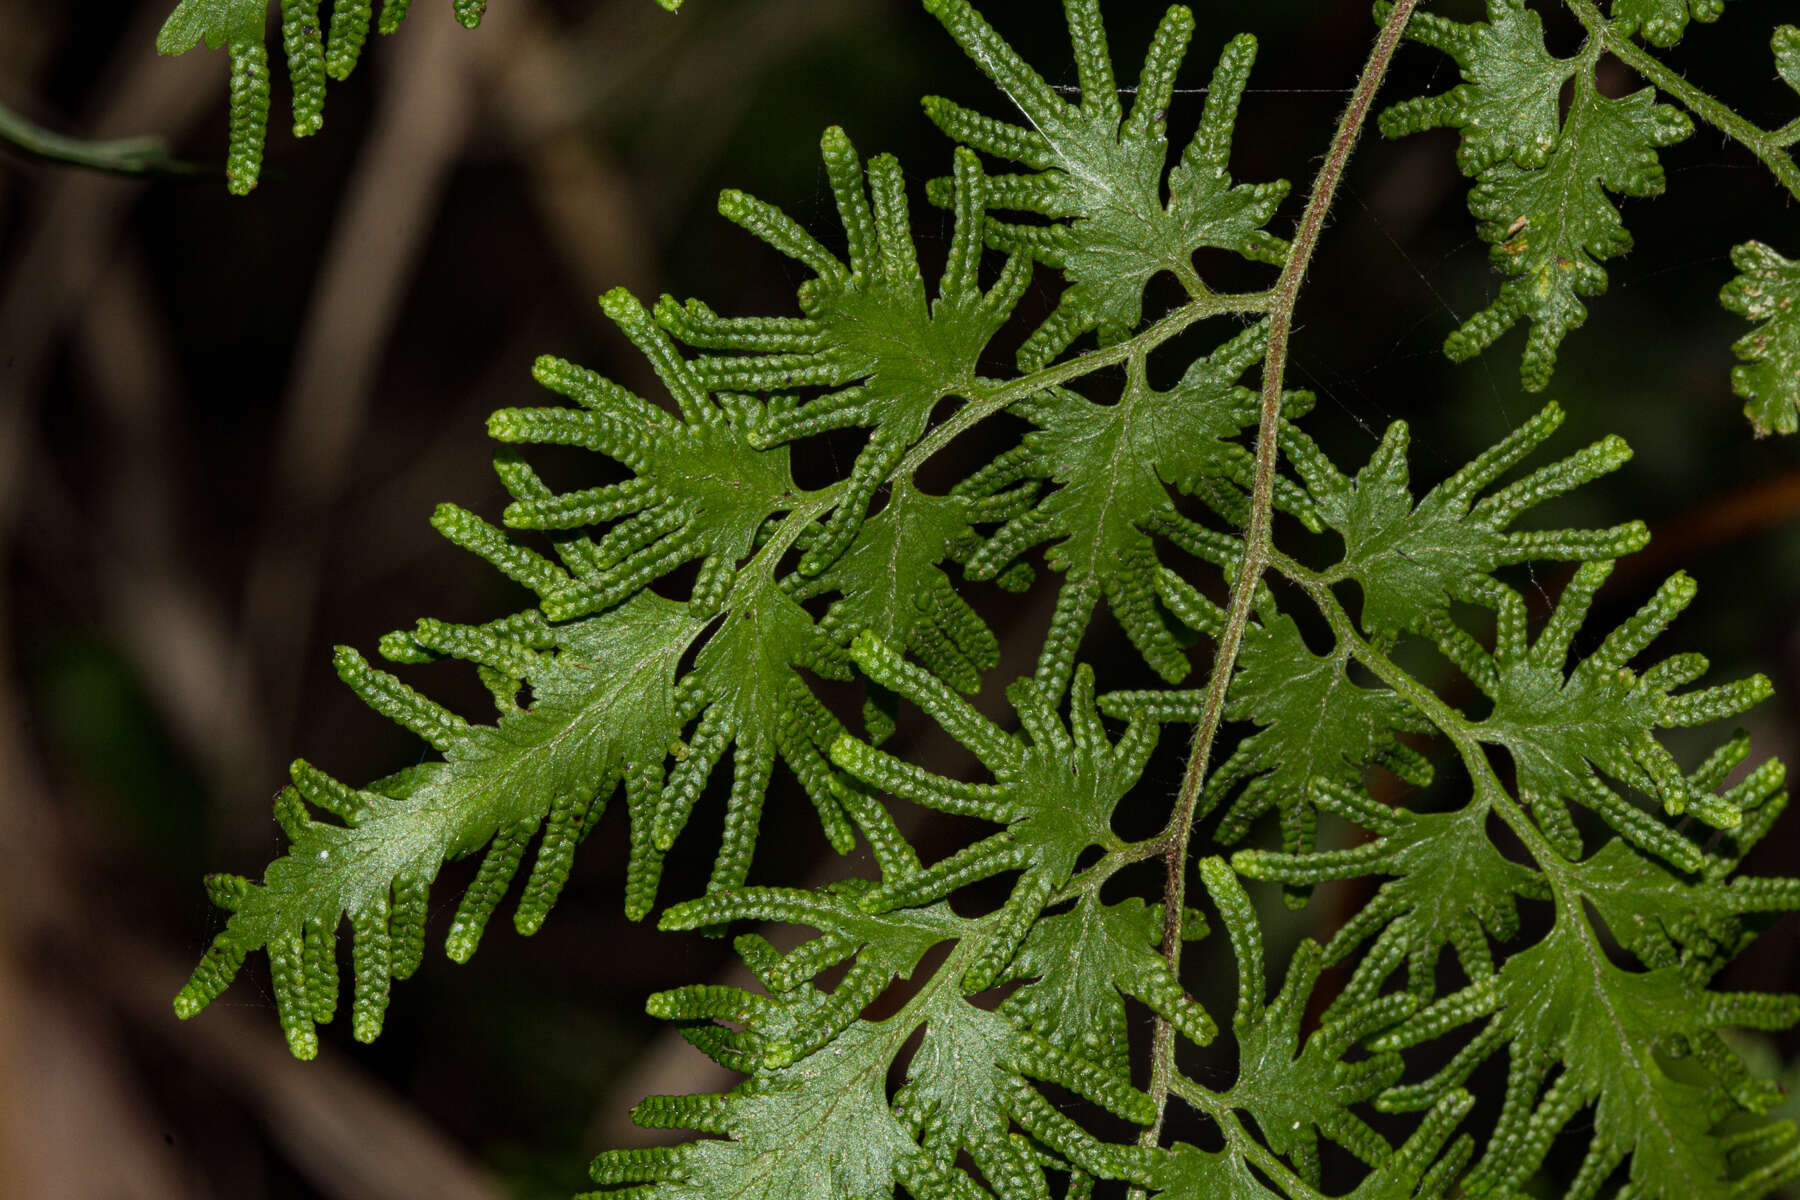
x,y
316,50
1159,505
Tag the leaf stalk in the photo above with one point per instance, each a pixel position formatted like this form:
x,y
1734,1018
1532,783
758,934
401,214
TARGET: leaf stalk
x,y
1257,547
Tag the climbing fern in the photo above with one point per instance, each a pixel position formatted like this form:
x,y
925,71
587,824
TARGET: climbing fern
x,y
693,610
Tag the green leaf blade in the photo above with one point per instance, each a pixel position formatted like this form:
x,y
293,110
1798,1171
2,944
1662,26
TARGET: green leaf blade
x,y
215,22
1544,187
1101,175
603,703
1767,289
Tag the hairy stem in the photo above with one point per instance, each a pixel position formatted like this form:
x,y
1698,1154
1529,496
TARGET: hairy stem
x,y
1559,872
1256,538
1219,1108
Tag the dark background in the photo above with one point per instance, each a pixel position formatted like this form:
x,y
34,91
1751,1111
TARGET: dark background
x,y
224,424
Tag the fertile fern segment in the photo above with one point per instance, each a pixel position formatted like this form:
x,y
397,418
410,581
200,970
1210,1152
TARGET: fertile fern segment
x,y
551,767
1412,560
1055,796
687,605
1542,180
1768,377
1549,153
1315,725
869,331
1108,241
821,1123
1113,465
314,50
1300,1088
1768,291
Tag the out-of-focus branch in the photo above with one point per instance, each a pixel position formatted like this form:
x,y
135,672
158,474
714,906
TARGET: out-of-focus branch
x,y
402,171
179,637
71,232
127,156
1729,518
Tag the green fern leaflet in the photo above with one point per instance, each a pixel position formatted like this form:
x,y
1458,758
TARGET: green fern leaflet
x,y
315,50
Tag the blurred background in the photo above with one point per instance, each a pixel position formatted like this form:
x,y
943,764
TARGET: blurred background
x,y
224,424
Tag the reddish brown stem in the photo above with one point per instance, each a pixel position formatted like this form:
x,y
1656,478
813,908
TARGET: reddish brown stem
x,y
1256,536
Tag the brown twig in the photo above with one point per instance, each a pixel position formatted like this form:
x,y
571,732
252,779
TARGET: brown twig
x,y
1256,537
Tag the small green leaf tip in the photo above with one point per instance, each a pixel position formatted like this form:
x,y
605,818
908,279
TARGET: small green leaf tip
x,y
349,31
620,305
469,12
392,13
1767,290
306,63
249,115
1786,44
1663,22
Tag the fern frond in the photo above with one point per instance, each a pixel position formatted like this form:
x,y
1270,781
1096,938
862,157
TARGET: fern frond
x,y
1450,886
1109,241
1565,727
869,331
814,1118
1318,733
609,706
1055,790
1663,22
976,1076
1543,182
495,790
1579,1031
1083,963
746,691
1296,1092
892,584
1412,561
1113,465
702,491
687,603
824,1126
1668,921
